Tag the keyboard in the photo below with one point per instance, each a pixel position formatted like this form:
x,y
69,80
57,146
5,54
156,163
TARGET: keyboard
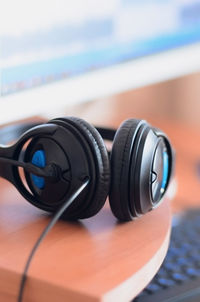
x,y
178,279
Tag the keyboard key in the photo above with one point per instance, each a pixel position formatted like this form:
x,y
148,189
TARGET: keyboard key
x,y
193,272
184,261
152,287
166,282
179,277
171,266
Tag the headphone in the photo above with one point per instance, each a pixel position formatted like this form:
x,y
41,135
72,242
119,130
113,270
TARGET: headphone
x,y
58,156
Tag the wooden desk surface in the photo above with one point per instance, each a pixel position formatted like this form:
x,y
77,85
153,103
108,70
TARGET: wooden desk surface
x,y
97,259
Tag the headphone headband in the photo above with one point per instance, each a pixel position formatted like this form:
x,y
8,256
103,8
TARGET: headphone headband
x,y
13,132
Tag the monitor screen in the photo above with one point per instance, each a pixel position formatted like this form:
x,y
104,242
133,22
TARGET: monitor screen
x,y
59,51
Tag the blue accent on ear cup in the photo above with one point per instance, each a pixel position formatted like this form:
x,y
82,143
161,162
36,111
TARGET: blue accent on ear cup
x,y
38,160
165,170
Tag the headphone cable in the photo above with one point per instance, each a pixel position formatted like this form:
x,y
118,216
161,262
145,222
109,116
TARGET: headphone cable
x,y
49,226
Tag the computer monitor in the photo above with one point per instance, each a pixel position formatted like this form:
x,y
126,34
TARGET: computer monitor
x,y
57,53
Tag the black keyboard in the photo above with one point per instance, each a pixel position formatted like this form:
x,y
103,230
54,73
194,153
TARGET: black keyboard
x,y
179,276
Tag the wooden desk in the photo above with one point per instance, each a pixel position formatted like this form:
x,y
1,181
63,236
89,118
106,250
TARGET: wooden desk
x,y
97,259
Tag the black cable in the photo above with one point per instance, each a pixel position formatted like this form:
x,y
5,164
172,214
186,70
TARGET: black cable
x,y
55,218
50,171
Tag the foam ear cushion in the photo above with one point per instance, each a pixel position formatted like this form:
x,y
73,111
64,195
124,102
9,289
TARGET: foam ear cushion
x,y
102,164
124,142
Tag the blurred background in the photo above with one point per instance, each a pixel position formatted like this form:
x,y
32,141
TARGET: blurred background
x,y
57,54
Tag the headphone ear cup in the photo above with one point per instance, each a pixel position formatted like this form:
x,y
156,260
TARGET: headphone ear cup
x,y
141,167
102,165
120,167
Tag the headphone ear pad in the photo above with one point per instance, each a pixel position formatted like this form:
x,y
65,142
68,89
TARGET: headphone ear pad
x,y
120,164
102,164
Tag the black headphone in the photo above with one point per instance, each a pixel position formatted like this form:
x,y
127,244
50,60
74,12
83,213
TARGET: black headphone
x,y
58,156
